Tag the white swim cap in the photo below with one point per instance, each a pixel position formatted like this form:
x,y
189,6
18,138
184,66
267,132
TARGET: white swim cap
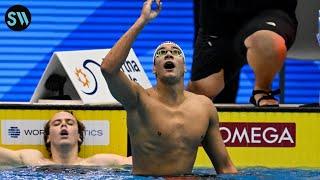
x,y
167,42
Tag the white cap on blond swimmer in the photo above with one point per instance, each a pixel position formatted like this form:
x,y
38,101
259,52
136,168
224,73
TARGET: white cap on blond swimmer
x,y
167,42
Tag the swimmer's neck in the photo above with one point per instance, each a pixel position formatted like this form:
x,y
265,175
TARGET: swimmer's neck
x,y
170,94
65,155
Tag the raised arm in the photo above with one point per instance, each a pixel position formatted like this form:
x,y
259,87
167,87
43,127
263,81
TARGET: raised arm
x,y
124,90
214,146
19,157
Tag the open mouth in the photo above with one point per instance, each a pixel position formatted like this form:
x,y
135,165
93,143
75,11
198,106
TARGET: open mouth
x,y
169,65
64,132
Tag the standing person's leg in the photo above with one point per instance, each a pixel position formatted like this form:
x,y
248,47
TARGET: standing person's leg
x,y
210,67
264,41
209,86
205,82
207,75
266,54
229,92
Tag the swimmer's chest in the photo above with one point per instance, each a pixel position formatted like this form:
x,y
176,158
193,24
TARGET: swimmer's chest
x,y
186,121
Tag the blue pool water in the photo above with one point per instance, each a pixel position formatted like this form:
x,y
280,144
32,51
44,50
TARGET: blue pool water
x,y
76,172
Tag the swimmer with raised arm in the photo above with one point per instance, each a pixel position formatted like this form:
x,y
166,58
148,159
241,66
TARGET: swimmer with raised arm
x,y
166,124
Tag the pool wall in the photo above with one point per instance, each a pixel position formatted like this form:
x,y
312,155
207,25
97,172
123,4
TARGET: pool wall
x,y
270,137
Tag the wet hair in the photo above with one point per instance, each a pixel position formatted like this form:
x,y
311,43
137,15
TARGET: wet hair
x,y
81,129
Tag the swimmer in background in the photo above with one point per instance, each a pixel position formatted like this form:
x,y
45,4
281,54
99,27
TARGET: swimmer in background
x,y
166,124
63,136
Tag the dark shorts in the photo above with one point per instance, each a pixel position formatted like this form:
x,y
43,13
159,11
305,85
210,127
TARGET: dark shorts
x,y
213,53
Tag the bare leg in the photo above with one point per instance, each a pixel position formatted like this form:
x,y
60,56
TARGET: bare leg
x,y
266,54
229,92
210,86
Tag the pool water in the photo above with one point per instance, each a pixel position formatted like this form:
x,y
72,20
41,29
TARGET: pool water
x,y
80,172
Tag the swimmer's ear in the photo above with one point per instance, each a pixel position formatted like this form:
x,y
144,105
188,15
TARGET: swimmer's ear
x,y
48,139
154,70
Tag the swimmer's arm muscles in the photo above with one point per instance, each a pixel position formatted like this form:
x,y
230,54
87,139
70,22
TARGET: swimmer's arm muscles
x,y
9,157
123,89
15,157
214,146
110,160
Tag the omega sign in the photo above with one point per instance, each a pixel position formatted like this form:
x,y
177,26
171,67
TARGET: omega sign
x,y
258,134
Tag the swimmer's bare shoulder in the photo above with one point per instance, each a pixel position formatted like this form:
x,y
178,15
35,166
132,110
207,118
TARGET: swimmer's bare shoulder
x,y
33,157
107,160
140,92
150,91
203,105
22,157
204,101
